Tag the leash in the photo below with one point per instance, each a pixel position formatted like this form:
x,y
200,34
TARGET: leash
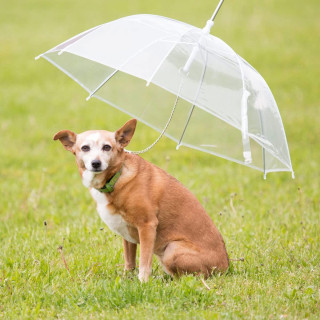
x,y
164,129
161,134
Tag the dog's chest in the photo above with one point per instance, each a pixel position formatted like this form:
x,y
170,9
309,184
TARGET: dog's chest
x,y
114,221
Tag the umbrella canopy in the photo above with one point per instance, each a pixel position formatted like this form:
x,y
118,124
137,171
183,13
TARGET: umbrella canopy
x,y
145,64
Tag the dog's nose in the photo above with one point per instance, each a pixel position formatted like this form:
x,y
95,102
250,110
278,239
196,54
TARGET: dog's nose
x,y
96,164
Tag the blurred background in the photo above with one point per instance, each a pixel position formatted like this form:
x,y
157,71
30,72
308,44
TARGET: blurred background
x,y
39,181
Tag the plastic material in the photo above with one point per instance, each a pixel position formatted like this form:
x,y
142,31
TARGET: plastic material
x,y
225,107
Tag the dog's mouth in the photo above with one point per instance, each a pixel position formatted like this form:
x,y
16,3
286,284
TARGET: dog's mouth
x,y
95,168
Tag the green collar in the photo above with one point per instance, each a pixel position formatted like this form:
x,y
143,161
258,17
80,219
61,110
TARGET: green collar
x,y
109,186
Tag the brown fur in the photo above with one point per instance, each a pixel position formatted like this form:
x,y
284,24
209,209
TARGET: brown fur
x,y
163,216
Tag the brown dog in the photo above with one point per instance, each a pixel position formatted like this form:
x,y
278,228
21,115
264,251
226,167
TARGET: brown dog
x,y
145,205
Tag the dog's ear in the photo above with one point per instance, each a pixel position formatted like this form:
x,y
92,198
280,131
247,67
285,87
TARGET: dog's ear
x,y
125,133
67,138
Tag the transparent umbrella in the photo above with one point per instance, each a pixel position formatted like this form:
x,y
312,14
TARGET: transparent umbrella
x,y
163,71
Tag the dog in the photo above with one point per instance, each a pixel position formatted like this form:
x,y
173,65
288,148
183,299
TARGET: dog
x,y
146,206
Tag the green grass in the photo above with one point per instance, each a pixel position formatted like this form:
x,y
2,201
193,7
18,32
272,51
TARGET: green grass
x,y
272,224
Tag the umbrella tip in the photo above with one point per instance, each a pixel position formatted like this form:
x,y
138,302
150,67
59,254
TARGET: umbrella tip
x,y
178,146
247,157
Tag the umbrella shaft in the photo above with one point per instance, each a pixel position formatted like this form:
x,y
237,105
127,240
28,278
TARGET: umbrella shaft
x,y
217,10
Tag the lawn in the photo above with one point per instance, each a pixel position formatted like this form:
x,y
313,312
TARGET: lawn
x,y
271,227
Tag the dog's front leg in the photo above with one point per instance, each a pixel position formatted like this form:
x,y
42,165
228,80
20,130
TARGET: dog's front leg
x,y
147,236
129,251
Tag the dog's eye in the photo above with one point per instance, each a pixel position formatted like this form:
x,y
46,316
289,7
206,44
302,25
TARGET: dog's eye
x,y
106,147
85,148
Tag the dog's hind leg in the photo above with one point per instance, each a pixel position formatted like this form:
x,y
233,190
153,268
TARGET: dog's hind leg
x,y
180,258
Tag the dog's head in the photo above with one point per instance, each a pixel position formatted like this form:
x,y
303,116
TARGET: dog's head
x,y
97,150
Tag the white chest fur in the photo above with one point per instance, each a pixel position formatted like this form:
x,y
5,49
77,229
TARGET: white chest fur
x,y
115,222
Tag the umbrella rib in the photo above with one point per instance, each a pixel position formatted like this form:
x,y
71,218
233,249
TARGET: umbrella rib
x,y
196,97
185,127
244,116
101,84
80,38
278,112
263,149
123,64
160,64
180,42
66,72
166,56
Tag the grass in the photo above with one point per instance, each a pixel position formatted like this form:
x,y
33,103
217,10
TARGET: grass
x,y
272,224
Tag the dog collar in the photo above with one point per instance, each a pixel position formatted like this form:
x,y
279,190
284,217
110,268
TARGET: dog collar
x,y
109,186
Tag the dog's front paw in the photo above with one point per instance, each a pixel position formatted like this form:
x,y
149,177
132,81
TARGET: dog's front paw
x,y
144,275
129,266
